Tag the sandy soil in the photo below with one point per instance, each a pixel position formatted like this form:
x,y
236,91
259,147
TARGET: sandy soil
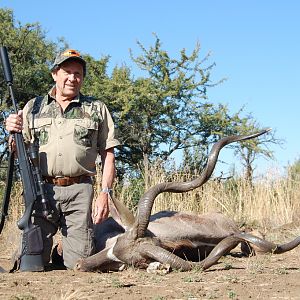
x,y
259,277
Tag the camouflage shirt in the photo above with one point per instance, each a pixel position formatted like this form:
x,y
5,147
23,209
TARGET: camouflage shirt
x,y
69,140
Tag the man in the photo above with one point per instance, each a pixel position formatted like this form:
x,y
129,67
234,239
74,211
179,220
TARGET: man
x,y
72,130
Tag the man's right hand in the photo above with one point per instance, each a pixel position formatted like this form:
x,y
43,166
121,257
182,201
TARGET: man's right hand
x,y
14,122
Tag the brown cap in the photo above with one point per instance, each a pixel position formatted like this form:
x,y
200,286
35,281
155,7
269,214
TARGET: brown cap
x,y
68,55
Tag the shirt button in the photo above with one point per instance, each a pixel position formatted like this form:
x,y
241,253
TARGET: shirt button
x,y
59,154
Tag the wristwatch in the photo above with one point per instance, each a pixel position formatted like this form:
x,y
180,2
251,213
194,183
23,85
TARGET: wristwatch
x,y
107,191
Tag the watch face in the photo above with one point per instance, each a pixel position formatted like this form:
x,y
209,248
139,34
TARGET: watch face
x,y
107,190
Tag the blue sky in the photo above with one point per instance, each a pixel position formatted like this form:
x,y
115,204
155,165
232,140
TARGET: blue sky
x,y
255,45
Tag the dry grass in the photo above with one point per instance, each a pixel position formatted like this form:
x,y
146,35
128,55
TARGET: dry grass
x,y
10,236
269,203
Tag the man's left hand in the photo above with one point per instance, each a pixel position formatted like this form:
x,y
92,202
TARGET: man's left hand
x,y
101,208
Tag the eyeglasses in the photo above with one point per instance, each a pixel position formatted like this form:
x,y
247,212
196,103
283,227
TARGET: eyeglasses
x,y
70,53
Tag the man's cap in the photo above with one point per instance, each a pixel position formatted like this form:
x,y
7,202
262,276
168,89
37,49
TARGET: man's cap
x,y
69,54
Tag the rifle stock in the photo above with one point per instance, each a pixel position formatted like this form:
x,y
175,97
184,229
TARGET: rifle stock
x,y
32,242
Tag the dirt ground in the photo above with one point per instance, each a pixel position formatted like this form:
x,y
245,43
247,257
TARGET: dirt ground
x,y
258,277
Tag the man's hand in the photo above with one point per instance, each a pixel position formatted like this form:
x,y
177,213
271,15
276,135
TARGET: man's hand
x,y
101,208
14,122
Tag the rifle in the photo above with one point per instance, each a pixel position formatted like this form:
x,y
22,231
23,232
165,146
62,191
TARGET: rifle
x,y
33,187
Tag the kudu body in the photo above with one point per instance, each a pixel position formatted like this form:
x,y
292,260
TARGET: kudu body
x,y
181,240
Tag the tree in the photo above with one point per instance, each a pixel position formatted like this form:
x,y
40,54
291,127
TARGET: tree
x,y
293,170
96,80
165,110
250,150
161,112
30,56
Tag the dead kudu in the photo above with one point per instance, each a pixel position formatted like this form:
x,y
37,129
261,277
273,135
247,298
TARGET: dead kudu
x,y
181,240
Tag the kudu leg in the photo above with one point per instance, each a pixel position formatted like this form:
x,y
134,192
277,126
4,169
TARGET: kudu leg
x,y
100,261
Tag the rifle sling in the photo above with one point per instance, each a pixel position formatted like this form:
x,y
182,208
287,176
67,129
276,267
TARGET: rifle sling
x,y
7,192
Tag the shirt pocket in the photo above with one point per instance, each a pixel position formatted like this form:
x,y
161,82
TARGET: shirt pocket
x,y
85,133
42,130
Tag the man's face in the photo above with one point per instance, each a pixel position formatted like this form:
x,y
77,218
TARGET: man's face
x,y
68,78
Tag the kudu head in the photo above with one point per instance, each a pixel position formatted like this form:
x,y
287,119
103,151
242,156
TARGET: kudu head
x,y
136,246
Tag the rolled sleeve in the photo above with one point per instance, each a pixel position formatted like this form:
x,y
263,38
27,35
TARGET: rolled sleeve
x,y
106,135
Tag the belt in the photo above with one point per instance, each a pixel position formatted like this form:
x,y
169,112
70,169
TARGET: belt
x,y
66,180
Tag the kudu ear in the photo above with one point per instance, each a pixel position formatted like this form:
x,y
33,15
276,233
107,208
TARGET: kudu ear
x,y
120,213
